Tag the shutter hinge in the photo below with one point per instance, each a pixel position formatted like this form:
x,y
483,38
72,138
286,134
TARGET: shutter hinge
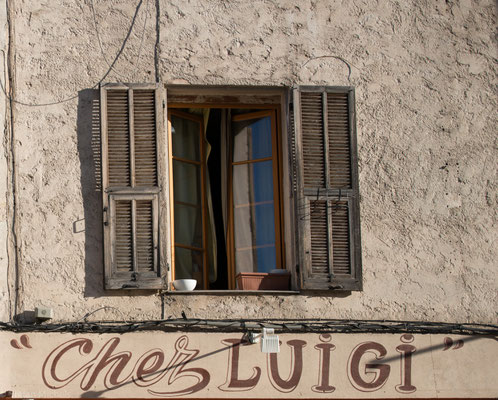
x,y
106,222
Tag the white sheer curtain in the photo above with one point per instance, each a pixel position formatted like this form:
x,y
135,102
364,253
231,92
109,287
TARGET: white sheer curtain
x,y
187,196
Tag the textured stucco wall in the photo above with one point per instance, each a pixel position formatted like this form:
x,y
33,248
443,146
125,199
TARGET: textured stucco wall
x,y
425,75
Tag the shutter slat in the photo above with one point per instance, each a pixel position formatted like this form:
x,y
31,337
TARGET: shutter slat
x,y
293,152
339,141
124,242
145,138
340,238
319,243
312,139
145,236
118,138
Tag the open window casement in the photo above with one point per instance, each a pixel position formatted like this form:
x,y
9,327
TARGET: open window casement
x,y
134,167
327,198
145,185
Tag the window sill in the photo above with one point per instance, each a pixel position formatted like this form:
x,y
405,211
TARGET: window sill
x,y
233,292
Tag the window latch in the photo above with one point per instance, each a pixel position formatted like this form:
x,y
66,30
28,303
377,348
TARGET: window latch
x,y
129,286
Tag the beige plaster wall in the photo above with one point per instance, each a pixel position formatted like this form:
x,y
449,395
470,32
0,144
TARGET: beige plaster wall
x,y
425,77
4,175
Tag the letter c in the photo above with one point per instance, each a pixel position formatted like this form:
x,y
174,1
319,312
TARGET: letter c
x,y
49,375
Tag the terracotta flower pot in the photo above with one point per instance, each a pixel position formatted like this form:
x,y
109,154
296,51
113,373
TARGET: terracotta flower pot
x,y
263,281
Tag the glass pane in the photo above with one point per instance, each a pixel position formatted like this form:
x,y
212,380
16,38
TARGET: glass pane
x,y
256,260
186,183
255,238
253,183
188,225
254,217
254,226
251,139
185,138
188,265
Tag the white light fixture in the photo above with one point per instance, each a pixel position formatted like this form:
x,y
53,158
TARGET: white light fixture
x,y
44,313
270,342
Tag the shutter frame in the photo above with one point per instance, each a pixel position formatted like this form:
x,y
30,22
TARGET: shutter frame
x,y
317,258
148,233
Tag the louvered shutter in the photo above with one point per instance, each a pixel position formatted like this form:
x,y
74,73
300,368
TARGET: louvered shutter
x,y
134,154
326,188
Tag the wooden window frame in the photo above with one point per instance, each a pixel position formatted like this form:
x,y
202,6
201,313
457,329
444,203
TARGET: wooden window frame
x,y
265,100
202,178
277,195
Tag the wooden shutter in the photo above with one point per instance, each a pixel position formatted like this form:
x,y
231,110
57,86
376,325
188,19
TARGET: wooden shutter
x,y
327,198
135,207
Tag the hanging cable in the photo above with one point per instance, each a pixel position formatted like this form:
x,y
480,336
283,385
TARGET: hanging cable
x,y
244,325
96,85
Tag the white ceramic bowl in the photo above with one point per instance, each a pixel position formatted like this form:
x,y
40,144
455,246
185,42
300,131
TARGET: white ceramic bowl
x,y
185,285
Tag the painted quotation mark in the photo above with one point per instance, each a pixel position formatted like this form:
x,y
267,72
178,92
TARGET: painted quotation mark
x,y
449,343
24,343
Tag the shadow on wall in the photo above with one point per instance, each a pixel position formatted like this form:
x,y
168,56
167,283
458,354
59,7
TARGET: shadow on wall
x,y
88,125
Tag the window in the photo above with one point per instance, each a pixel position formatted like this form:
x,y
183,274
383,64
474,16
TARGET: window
x,y
227,180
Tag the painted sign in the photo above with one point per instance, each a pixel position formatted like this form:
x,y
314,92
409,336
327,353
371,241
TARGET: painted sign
x,y
213,365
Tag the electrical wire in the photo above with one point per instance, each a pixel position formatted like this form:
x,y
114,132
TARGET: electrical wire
x,y
99,40
245,325
99,309
139,54
348,64
157,47
96,85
